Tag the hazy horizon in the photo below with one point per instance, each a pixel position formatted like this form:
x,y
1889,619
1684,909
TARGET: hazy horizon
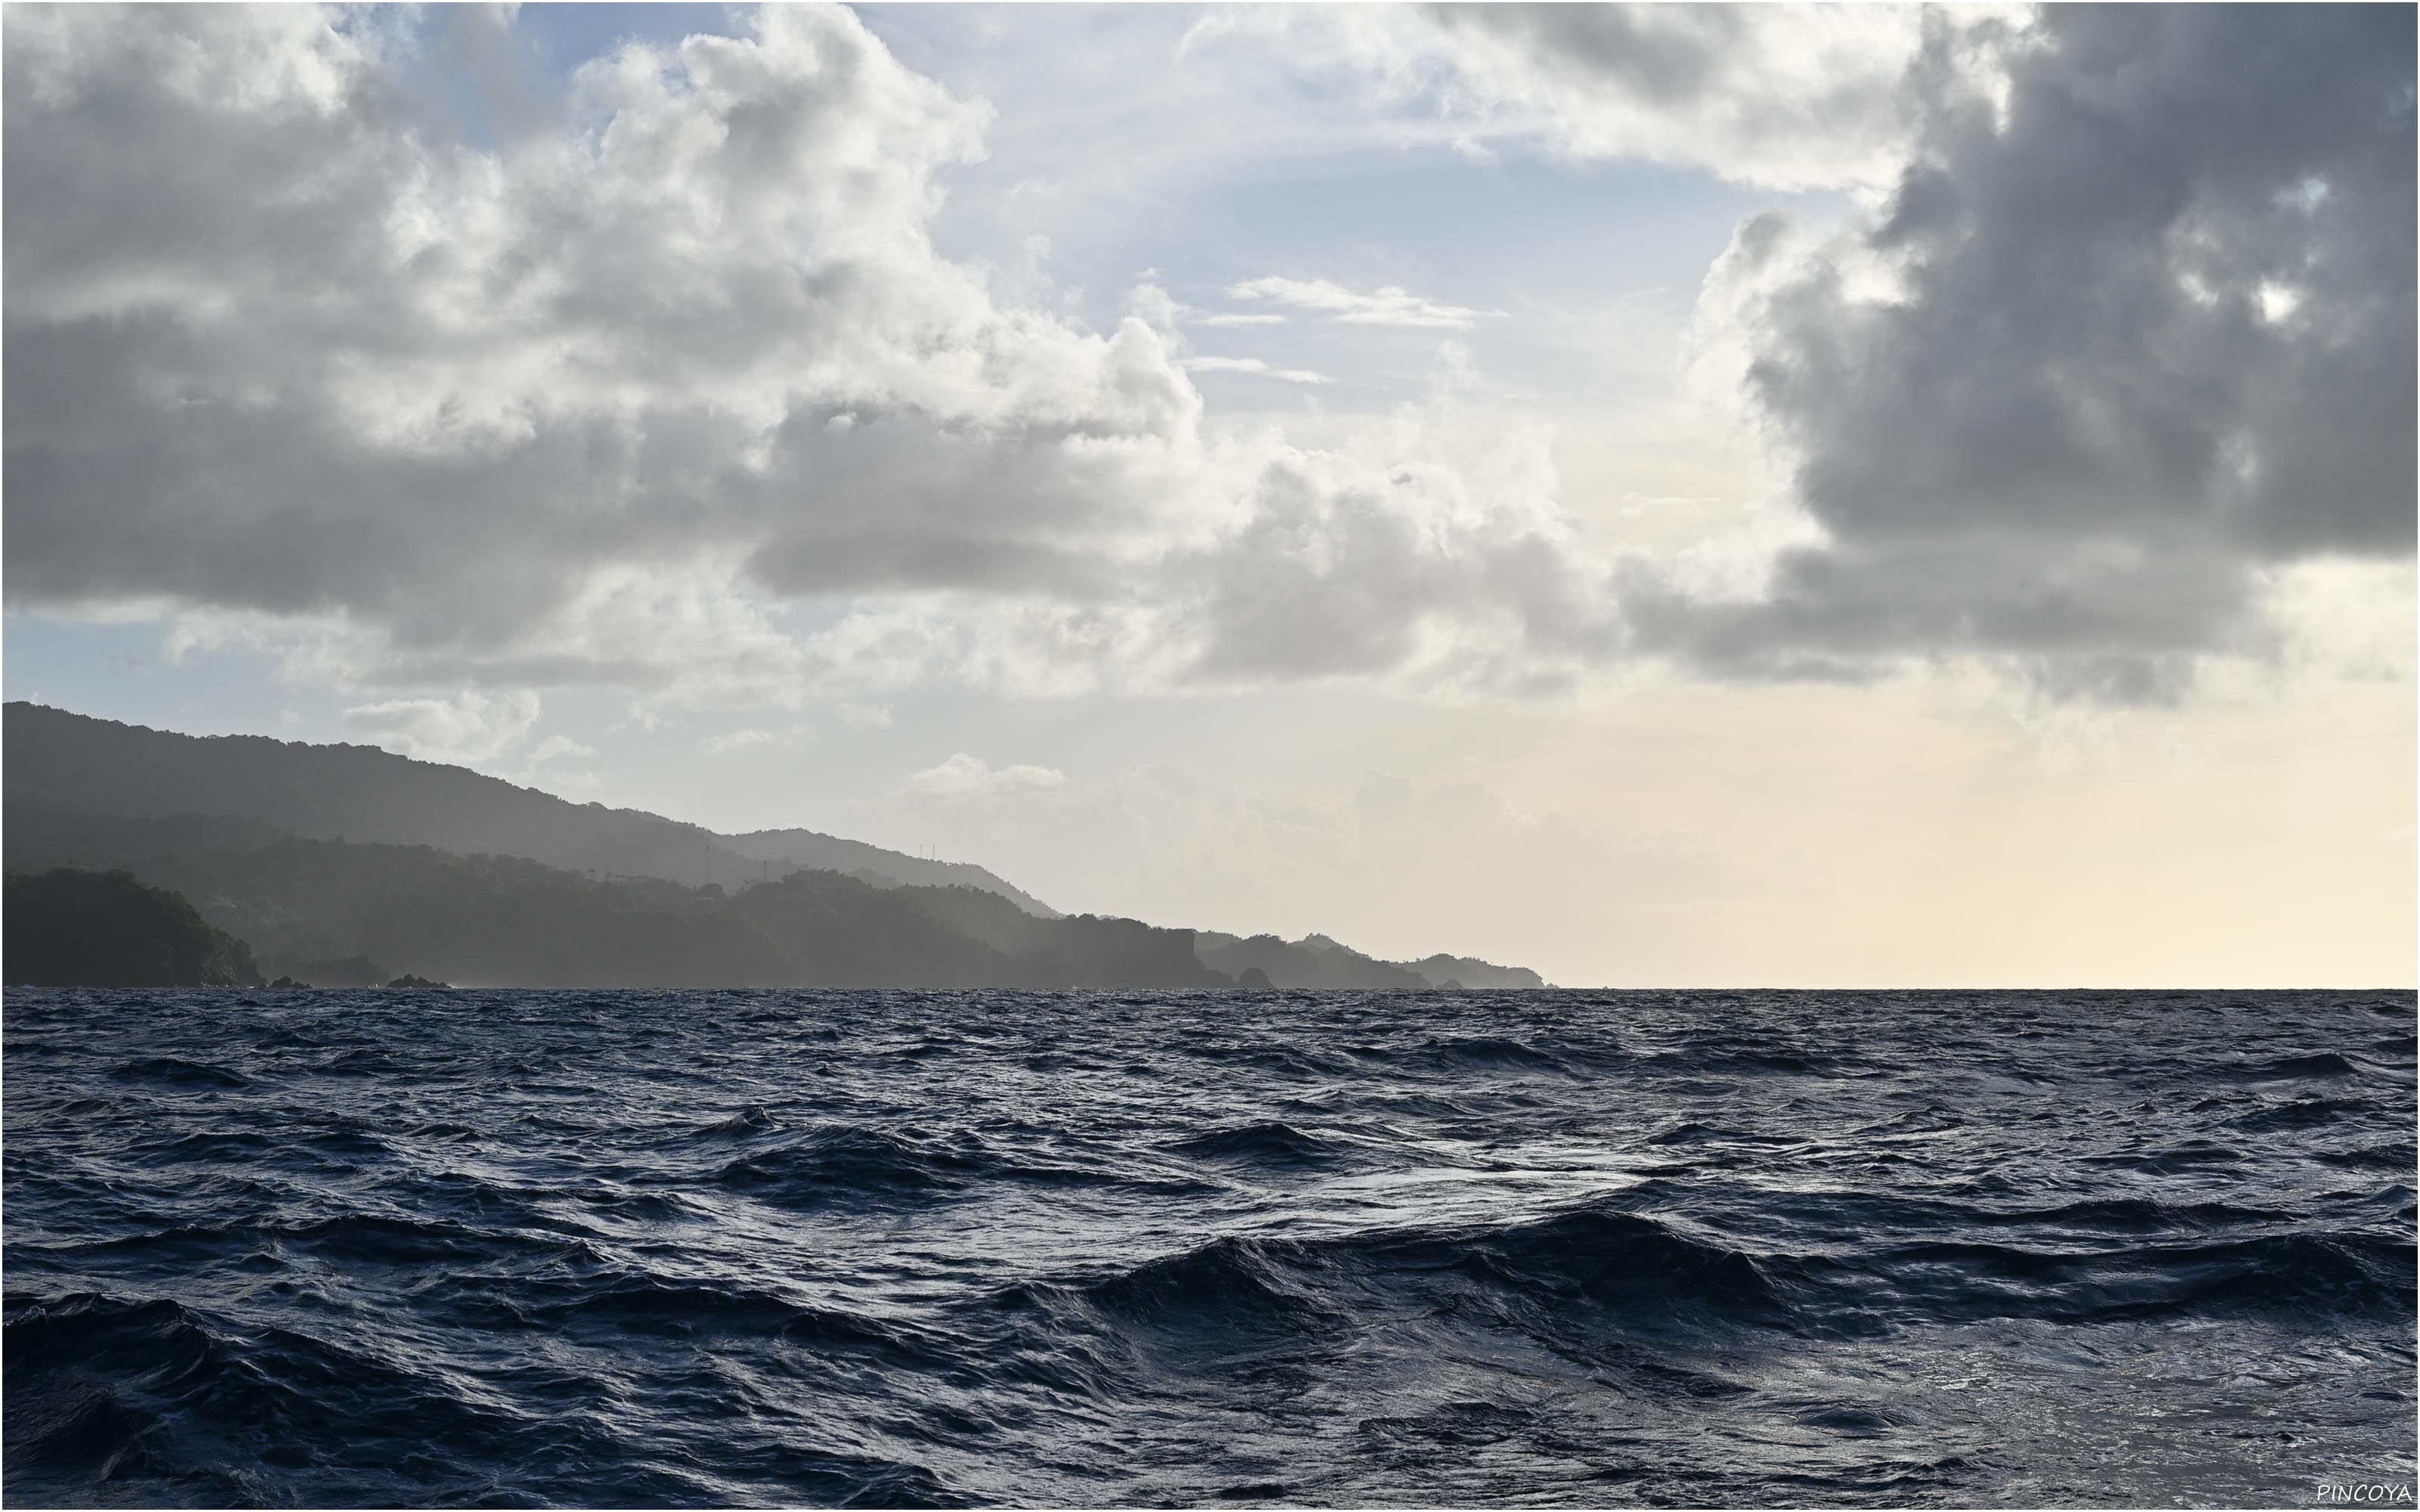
x,y
1875,498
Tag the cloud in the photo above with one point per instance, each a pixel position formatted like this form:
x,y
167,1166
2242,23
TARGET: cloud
x,y
724,745
1786,97
546,765
1252,364
2046,402
467,729
1240,320
2118,329
963,776
557,748
667,390
1387,306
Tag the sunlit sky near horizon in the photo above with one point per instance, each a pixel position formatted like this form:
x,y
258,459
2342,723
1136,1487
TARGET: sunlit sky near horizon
x,y
1666,496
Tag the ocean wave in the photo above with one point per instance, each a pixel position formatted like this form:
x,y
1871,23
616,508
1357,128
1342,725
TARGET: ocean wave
x,y
1265,1142
2294,1067
933,1248
169,1071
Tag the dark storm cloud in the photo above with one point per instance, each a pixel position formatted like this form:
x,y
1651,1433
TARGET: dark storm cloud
x,y
1674,57
2152,334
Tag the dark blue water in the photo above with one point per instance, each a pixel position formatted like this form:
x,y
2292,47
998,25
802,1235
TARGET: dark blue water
x,y
335,1248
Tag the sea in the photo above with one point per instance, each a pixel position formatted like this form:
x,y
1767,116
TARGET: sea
x,y
504,1249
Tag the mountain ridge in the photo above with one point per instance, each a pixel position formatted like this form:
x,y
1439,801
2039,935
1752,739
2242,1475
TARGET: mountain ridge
x,y
200,813
78,762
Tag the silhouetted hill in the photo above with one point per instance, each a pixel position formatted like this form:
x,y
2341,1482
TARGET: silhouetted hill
x,y
478,920
106,929
796,848
40,836
1077,950
1316,960
1470,972
331,911
1301,963
68,760
341,863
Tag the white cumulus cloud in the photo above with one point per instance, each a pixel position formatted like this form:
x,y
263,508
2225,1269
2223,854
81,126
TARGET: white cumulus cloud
x,y
466,729
964,776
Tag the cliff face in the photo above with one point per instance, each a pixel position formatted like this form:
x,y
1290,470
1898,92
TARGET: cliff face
x,y
106,929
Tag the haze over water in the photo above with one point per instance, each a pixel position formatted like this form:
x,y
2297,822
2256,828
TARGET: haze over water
x,y
915,1248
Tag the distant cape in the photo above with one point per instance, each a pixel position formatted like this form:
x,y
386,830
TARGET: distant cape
x,y
339,864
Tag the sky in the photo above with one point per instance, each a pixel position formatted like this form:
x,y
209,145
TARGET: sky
x,y
1701,496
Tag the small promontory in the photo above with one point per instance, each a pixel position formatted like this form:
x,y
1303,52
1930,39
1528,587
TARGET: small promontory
x,y
104,929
